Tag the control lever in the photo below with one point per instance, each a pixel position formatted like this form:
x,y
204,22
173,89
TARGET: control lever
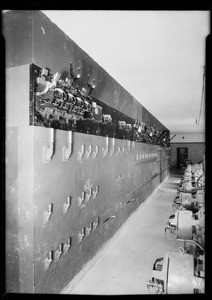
x,y
59,252
74,76
88,229
47,214
67,205
90,86
49,150
81,235
48,260
67,150
106,149
67,246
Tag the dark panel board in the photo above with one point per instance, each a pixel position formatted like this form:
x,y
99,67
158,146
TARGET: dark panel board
x,y
62,105
52,48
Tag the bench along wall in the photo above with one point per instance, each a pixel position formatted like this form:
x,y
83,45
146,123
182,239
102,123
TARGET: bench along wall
x,y
73,175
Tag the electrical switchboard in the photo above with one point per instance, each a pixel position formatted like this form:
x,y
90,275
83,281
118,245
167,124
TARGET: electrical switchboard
x,y
61,104
82,155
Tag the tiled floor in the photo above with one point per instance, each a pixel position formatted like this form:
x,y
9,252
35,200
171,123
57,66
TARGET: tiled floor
x,y
124,265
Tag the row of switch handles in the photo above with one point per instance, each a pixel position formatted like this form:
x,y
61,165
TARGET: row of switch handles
x,y
64,248
48,213
48,151
82,201
106,151
86,196
85,232
145,157
91,152
88,193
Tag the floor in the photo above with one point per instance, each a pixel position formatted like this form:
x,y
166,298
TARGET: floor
x,y
124,265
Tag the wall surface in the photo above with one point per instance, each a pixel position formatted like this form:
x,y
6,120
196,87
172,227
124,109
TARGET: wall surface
x,y
196,152
59,213
188,138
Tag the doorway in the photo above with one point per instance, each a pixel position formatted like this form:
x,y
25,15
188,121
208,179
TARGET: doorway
x,y
182,154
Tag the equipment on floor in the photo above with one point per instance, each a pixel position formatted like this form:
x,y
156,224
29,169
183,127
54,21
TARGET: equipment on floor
x,y
183,272
188,222
189,201
188,225
191,183
191,193
178,273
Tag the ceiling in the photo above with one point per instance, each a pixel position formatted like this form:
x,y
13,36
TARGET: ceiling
x,y
157,56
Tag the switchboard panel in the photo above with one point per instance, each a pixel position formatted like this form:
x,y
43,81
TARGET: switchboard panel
x,y
82,155
61,104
